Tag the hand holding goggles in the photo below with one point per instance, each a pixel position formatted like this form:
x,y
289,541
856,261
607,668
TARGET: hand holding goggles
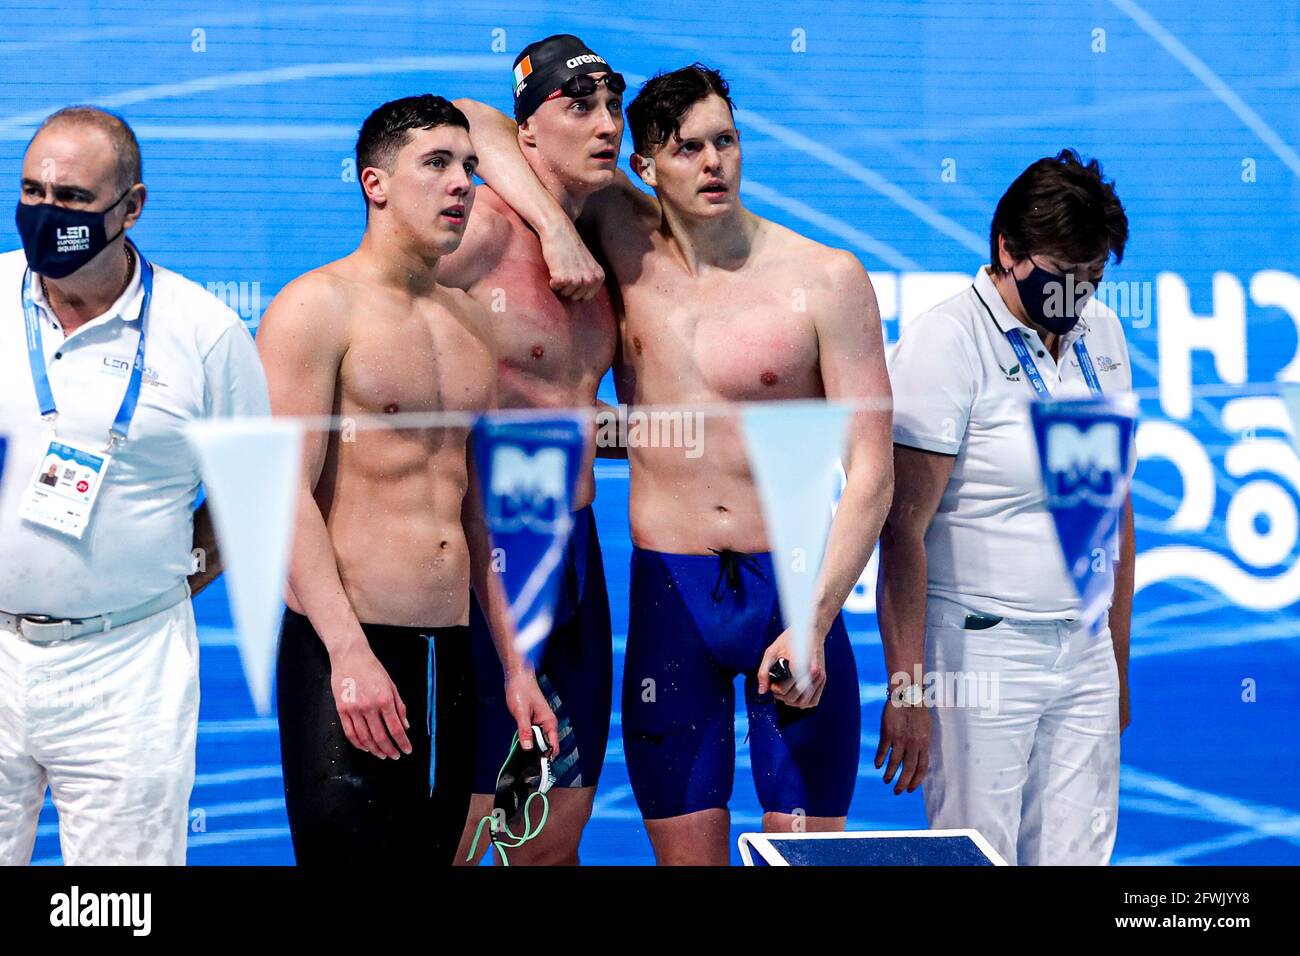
x,y
525,776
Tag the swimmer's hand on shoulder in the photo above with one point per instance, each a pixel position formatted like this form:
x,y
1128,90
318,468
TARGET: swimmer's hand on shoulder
x,y
370,709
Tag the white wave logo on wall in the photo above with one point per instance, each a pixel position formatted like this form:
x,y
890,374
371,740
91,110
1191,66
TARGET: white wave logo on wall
x,y
1261,522
1251,557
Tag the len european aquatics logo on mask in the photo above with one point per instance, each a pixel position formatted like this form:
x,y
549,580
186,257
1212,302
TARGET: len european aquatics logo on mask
x,y
72,239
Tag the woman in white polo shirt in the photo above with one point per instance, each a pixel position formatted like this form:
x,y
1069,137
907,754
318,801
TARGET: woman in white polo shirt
x,y
972,581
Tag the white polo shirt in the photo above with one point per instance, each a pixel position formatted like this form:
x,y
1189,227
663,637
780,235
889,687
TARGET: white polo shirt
x,y
200,361
958,390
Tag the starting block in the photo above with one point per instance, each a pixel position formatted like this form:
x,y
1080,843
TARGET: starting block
x,y
869,848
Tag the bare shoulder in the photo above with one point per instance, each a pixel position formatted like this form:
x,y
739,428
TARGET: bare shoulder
x,y
825,266
617,204
486,235
318,303
494,215
472,316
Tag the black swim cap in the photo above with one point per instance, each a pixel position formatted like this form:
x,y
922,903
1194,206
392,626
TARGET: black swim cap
x,y
543,66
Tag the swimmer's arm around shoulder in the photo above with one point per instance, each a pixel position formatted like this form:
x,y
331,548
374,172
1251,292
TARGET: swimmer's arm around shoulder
x,y
479,252
302,340
619,219
574,271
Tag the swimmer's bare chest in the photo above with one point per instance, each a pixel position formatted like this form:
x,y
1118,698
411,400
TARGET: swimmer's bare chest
x,y
392,498
734,338
552,352
421,358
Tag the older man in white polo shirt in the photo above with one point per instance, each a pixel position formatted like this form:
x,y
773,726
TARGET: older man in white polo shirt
x,y
104,358
971,575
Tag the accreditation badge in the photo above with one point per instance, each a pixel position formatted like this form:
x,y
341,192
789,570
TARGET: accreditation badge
x,y
62,492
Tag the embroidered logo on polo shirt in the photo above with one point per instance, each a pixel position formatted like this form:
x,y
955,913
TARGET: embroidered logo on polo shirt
x,y
1012,373
120,368
1106,364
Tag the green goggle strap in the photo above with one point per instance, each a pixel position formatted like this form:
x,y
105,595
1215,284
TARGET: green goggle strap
x,y
528,834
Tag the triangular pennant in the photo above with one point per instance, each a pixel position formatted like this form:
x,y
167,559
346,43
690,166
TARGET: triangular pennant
x,y
250,469
1084,452
528,473
1291,398
794,452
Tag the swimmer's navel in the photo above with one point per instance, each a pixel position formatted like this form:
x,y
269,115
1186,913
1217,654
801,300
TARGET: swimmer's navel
x,y
391,408
768,378
538,351
636,343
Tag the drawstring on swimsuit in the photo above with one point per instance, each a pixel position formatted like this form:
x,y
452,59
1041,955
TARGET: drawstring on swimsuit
x,y
729,565
431,707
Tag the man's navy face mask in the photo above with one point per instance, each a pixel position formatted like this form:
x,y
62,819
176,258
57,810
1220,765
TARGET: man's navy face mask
x,y
59,241
1049,301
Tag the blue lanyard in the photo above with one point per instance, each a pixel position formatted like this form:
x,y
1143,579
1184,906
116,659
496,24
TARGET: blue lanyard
x,y
41,378
1036,379
1014,336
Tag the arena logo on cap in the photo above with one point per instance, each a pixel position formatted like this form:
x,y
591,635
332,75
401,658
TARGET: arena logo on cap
x,y
522,69
585,58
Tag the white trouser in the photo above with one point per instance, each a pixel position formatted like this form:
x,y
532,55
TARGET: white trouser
x,y
108,721
1034,764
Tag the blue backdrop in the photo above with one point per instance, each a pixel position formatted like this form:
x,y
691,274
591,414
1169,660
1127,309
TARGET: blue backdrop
x,y
888,128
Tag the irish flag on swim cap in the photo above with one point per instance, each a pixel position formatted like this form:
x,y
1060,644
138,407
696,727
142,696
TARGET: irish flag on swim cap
x,y
522,69
542,67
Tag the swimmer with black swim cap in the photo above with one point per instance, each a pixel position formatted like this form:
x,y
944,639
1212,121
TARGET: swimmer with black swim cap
x,y
705,319
556,341
559,65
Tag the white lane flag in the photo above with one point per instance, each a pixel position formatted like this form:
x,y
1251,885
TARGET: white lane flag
x,y
250,468
794,451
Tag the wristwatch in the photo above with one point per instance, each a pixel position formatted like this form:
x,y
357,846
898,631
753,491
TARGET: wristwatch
x,y
907,695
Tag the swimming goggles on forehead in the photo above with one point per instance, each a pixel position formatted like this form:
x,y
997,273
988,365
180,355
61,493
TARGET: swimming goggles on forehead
x,y
584,84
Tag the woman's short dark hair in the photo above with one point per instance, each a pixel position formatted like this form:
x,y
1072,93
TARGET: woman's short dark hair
x,y
656,113
1059,207
387,129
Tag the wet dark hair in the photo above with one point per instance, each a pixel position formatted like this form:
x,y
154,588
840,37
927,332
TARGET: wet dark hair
x,y
655,115
1059,207
387,129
